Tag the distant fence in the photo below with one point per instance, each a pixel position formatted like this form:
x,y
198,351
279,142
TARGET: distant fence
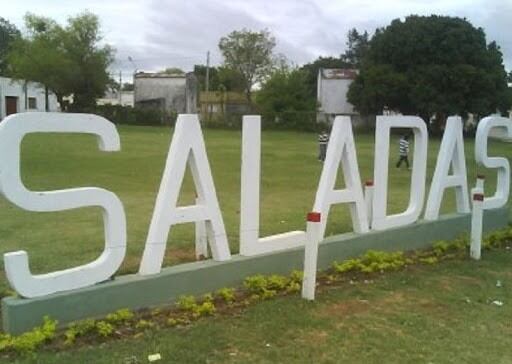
x,y
119,114
307,121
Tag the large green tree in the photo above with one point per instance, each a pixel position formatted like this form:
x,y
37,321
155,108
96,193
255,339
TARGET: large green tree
x,y
357,47
8,34
68,60
431,66
250,54
221,78
285,97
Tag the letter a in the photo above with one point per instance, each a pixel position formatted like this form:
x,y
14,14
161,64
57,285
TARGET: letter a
x,y
341,149
451,152
187,146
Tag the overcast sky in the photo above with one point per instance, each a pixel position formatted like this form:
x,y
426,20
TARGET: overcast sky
x,y
177,33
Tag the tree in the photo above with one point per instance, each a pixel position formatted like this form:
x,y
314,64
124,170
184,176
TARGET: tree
x,y
8,34
357,47
311,71
67,60
173,71
127,86
431,66
250,54
285,96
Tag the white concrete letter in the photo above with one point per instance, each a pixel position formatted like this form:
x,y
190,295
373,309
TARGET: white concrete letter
x,y
380,219
450,153
341,149
485,125
12,131
250,243
187,146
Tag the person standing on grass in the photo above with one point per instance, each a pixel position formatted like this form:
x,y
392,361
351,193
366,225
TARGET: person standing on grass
x,y
323,140
403,151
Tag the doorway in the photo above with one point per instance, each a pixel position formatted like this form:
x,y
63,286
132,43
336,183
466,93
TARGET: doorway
x,y
11,105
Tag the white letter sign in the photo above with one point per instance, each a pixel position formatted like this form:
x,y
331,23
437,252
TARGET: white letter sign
x,y
341,148
187,146
485,125
450,153
380,220
250,243
12,131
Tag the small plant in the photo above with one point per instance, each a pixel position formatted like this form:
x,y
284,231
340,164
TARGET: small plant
x,y
373,261
205,309
79,328
186,303
31,340
276,282
429,260
296,276
347,265
208,297
104,329
144,324
293,287
121,315
255,284
227,294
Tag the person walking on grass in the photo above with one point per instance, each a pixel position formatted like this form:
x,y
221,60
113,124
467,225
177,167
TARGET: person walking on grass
x,y
403,151
323,140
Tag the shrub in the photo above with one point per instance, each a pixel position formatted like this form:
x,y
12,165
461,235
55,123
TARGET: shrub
x,y
79,328
104,329
186,303
31,340
255,284
227,294
121,315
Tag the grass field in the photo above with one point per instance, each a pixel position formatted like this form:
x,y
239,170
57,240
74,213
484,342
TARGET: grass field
x,y
439,314
290,174
424,314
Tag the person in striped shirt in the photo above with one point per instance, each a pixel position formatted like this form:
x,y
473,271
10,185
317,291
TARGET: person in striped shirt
x,y
403,151
323,140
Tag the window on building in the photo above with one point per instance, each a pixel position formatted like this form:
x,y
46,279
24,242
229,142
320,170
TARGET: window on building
x,y
32,103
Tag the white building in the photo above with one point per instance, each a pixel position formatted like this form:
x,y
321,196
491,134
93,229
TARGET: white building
x,y
172,92
332,88
15,97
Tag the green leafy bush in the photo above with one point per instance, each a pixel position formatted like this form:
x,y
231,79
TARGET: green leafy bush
x,y
227,294
31,340
373,261
79,328
186,303
104,329
121,315
256,284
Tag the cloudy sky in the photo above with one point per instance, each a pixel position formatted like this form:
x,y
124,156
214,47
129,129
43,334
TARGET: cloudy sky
x,y
178,33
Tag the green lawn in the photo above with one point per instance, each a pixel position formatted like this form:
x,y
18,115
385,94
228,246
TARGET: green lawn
x,y
424,314
290,174
439,314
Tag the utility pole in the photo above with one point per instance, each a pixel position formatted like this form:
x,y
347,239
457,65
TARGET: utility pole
x,y
120,86
207,83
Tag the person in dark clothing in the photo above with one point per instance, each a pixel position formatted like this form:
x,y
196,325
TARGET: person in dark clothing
x,y
403,151
323,140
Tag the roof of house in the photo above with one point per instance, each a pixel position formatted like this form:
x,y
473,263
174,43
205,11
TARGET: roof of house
x,y
159,75
338,73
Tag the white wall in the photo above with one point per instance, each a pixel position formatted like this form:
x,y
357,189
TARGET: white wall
x,y
332,95
9,87
172,89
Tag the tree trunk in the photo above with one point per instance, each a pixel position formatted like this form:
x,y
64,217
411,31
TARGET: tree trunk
x,y
46,99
